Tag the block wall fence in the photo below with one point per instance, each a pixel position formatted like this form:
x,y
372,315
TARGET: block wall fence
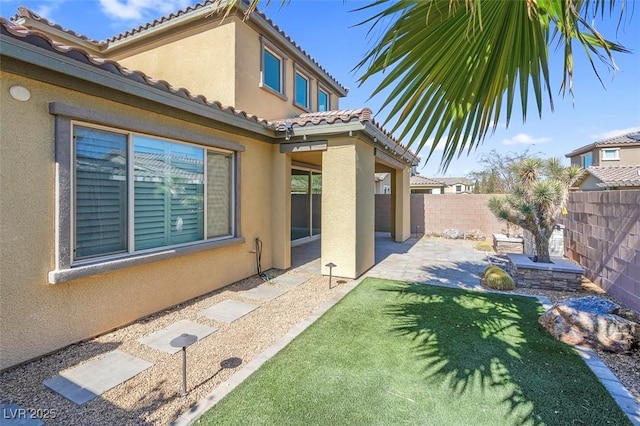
x,y
602,234
433,213
602,231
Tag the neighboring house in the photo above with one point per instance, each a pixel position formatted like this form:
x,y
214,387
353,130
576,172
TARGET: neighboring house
x,y
453,185
598,178
623,150
123,194
424,185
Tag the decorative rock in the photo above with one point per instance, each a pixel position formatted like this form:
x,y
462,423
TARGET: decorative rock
x,y
591,321
475,235
453,234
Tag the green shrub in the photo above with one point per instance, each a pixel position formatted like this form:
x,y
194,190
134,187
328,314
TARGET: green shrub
x,y
497,278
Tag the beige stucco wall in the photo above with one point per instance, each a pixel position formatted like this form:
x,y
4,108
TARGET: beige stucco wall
x,y
37,317
199,58
348,202
221,62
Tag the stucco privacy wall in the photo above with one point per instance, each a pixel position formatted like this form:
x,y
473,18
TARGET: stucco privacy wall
x,y
38,317
433,213
602,234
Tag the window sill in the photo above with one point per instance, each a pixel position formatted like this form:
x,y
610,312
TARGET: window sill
x,y
273,92
302,107
63,275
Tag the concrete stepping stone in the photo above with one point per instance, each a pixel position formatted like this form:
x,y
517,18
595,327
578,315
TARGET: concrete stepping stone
x,y
15,415
290,280
161,339
264,292
228,311
87,381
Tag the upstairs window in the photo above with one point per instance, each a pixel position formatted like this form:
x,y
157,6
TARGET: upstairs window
x,y
272,70
323,100
610,154
302,91
134,193
587,160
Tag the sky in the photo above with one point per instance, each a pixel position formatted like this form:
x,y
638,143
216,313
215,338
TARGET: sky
x,y
328,31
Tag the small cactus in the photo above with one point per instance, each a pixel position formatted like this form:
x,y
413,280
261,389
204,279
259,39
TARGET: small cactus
x,y
497,278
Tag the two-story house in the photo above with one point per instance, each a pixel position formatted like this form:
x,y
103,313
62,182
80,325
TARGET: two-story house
x,y
142,171
612,163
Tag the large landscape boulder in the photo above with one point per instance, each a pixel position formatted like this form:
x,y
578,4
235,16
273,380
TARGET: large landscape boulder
x,y
591,321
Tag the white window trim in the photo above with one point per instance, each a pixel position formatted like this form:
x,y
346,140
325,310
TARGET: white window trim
x,y
615,150
307,76
66,269
271,48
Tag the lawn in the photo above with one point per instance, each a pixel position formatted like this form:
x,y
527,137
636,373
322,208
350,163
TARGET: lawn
x,y
394,353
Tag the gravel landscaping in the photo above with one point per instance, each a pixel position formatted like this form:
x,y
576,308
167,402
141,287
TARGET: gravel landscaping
x,y
153,396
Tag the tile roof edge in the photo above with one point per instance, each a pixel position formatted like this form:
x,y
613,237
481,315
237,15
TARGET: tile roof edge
x,y
26,13
19,32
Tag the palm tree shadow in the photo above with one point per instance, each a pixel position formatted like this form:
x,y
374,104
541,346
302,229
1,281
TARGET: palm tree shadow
x,y
481,348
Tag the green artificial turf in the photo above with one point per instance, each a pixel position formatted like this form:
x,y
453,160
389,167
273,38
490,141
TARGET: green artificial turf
x,y
393,353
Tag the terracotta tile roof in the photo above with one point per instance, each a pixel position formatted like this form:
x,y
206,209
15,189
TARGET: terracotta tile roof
x,y
632,138
23,12
214,5
613,176
42,40
455,180
362,115
421,180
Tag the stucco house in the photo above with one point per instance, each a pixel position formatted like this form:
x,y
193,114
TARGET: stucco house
x,y
440,185
123,193
601,178
622,150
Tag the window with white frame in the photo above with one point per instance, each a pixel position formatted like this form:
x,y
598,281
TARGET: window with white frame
x,y
458,188
133,193
323,100
586,160
609,154
272,70
301,90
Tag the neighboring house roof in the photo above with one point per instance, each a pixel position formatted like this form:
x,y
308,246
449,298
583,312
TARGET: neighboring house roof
x,y
612,176
628,139
204,9
455,181
417,180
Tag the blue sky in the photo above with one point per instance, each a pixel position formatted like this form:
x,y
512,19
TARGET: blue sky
x,y
325,29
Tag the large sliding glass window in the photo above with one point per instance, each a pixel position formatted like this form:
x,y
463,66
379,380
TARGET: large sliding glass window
x,y
306,191
135,192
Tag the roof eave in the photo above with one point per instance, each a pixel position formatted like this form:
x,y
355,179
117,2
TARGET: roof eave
x,y
25,52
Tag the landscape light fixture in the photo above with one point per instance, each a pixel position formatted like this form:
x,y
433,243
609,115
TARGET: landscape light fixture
x,y
330,265
182,341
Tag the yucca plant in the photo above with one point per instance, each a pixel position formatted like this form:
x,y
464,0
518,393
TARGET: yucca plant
x,y
537,199
497,278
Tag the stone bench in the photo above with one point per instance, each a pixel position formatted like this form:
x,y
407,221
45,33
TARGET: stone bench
x,y
561,274
503,244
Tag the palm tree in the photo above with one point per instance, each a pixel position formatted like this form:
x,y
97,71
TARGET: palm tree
x,y
454,66
538,197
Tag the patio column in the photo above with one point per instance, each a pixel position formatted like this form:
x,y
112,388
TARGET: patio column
x,y
281,210
401,200
348,207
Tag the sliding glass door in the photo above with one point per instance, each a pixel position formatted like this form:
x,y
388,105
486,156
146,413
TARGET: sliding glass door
x,y
306,192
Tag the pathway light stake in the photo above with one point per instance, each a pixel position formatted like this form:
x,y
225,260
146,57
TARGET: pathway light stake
x,y
182,341
330,265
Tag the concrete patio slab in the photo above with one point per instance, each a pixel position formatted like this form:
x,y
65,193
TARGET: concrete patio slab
x,y
15,415
228,311
85,382
291,280
161,339
264,293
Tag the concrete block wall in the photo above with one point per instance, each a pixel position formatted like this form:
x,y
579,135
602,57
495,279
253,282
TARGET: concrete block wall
x,y
433,213
602,234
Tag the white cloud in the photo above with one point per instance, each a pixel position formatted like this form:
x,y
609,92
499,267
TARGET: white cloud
x,y
524,139
131,10
615,132
440,145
